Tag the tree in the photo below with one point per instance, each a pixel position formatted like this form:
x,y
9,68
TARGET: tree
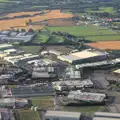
x,y
30,21
26,23
31,30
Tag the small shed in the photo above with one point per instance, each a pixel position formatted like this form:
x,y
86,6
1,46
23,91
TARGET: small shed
x,y
62,115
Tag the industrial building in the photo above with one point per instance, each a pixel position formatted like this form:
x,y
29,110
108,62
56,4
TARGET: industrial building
x,y
18,58
10,51
69,85
84,97
106,116
6,114
84,56
27,91
5,47
13,36
71,73
44,68
4,78
12,102
88,97
62,115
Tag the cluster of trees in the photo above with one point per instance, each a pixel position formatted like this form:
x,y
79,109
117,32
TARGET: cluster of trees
x,y
29,22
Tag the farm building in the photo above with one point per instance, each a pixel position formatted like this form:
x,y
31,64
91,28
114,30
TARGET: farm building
x,y
106,116
69,85
84,56
62,115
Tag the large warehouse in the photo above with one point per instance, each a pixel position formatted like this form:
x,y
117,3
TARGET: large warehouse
x,y
62,115
106,116
84,56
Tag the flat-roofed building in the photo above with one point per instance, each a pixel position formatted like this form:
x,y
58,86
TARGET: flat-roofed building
x,y
6,114
20,58
44,68
12,102
9,51
71,73
69,85
117,71
62,115
13,36
106,116
5,47
86,97
34,91
2,54
83,56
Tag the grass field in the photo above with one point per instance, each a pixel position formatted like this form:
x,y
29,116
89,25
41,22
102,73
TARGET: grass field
x,y
47,102
28,115
85,109
90,33
41,37
101,9
42,101
30,49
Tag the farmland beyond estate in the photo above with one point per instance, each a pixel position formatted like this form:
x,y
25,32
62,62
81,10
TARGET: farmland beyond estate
x,y
19,22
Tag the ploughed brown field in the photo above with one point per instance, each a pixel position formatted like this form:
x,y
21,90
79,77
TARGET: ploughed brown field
x,y
19,22
61,22
112,45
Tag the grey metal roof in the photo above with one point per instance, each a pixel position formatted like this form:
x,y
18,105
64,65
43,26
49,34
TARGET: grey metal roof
x,y
63,114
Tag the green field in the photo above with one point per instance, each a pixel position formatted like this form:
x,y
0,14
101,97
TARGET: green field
x,y
30,49
90,32
28,115
42,101
85,109
9,1
47,102
101,9
41,37
44,37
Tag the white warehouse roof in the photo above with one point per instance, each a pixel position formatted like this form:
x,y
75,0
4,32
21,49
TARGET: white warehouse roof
x,y
63,114
117,71
10,50
5,45
80,55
